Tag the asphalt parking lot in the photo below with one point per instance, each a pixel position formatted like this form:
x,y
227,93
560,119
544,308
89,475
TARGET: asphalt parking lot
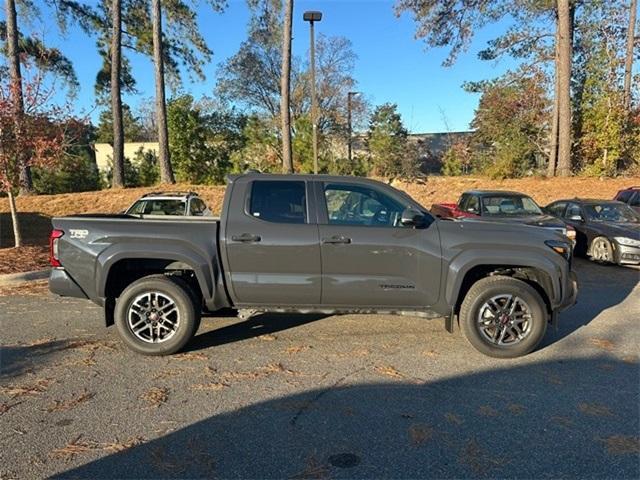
x,y
309,397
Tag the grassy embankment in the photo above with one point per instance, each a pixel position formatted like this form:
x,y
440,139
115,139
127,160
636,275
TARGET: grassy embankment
x,y
36,211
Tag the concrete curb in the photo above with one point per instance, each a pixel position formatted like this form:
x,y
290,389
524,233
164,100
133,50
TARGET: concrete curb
x,y
14,278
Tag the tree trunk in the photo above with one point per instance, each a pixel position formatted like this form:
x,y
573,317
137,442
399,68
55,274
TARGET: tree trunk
x,y
17,237
563,68
116,98
166,172
13,57
628,63
553,140
285,78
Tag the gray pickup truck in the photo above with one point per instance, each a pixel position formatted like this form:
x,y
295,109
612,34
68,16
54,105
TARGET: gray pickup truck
x,y
303,243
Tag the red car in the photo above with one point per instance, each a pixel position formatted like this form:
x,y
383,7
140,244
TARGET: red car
x,y
502,206
630,196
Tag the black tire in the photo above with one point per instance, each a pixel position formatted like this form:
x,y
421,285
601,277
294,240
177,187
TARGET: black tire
x,y
173,289
601,251
475,302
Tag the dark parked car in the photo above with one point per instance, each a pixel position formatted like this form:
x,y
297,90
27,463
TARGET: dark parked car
x,y
502,206
314,243
630,196
607,231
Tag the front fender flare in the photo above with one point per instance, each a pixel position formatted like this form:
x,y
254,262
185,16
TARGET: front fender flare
x,y
463,263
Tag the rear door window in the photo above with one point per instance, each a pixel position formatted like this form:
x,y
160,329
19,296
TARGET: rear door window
x,y
279,201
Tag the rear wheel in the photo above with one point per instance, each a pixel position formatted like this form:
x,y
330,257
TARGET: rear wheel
x,y
503,317
157,315
601,250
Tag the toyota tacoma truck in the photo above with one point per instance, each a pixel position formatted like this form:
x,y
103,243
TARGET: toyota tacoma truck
x,y
314,243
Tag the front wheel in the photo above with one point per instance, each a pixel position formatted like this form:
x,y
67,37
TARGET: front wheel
x,y
503,317
601,250
156,315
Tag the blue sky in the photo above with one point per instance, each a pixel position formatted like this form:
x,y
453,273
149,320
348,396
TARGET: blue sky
x,y
392,66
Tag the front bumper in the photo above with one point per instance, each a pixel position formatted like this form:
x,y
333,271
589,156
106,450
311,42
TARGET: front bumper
x,y
570,292
626,255
61,283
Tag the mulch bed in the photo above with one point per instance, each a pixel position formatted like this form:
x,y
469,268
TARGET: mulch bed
x,y
24,259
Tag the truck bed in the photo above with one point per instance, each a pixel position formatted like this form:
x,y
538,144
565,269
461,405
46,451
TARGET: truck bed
x,y
93,244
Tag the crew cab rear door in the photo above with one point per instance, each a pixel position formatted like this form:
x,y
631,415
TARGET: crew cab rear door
x,y
368,258
271,243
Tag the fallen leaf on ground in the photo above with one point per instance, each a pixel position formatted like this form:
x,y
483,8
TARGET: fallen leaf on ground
x,y
474,456
595,409
389,371
5,407
297,349
73,402
190,356
622,444
516,408
267,337
602,343
564,421
209,386
419,434
313,470
487,411
155,396
453,418
36,388
78,446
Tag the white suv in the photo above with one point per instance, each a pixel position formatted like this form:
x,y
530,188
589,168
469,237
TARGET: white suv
x,y
170,203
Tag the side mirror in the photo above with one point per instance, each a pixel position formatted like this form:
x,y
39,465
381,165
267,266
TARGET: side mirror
x,y
576,218
412,218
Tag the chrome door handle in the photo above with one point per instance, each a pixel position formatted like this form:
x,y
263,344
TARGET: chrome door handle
x,y
246,238
336,240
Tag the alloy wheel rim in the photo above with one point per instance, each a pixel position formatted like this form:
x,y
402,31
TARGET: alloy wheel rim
x,y
153,317
601,252
504,320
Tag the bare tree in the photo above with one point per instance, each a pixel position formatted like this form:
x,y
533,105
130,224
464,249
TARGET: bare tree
x,y
13,57
285,90
116,97
166,172
628,64
553,137
563,69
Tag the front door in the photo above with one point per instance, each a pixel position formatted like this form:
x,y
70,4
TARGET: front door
x,y
368,258
272,247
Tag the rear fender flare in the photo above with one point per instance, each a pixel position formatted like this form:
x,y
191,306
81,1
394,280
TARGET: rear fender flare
x,y
198,263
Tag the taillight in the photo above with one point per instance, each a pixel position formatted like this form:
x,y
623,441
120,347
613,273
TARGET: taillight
x,y
54,239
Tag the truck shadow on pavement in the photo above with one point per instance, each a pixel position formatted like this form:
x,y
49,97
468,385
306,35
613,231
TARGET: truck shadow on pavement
x,y
569,418
260,324
15,360
601,287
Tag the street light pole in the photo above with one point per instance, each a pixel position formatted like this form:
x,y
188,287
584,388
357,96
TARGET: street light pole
x,y
313,17
350,95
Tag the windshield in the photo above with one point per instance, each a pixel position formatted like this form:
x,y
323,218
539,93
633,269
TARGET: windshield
x,y
611,212
509,205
